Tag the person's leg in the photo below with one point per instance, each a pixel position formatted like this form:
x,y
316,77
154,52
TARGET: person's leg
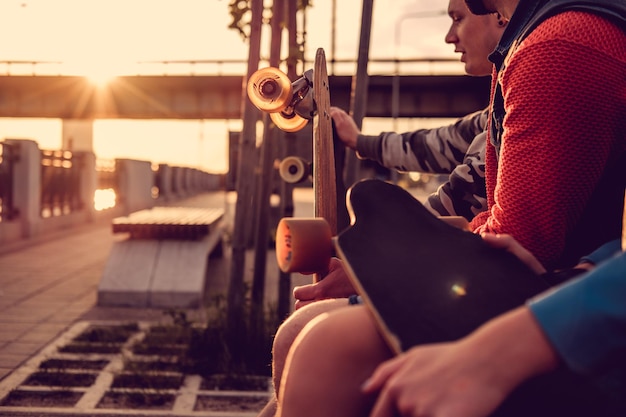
x,y
285,336
329,361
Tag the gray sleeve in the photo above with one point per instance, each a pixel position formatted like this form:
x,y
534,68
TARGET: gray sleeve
x,y
464,193
436,151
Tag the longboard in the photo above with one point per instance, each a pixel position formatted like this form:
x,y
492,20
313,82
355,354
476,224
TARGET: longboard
x,y
424,280
291,106
297,247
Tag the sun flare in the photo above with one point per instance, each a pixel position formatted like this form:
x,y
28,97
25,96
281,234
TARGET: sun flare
x,y
100,78
98,73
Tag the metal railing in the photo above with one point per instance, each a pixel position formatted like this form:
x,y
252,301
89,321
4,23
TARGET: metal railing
x,y
106,176
60,183
197,67
45,190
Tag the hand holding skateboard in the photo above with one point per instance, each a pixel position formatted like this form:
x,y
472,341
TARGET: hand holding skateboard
x,y
336,284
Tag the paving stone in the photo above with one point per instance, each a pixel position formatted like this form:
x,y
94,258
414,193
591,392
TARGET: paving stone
x,y
21,348
4,372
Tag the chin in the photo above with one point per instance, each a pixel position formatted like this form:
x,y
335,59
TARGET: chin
x,y
469,70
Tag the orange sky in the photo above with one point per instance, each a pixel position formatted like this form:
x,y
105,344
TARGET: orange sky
x,y
113,35
107,37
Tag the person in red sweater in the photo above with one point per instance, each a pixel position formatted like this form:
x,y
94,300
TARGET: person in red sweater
x,y
555,171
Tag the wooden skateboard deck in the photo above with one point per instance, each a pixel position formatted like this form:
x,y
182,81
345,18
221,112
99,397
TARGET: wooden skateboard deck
x,y
324,175
425,280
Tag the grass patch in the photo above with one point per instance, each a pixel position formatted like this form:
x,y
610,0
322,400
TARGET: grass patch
x,y
59,399
95,365
133,400
147,381
58,378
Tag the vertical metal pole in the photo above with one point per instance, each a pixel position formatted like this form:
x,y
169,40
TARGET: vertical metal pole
x,y
265,180
286,202
333,36
395,97
358,99
247,162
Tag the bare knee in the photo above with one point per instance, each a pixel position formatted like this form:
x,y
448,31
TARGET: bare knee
x,y
290,329
349,331
331,359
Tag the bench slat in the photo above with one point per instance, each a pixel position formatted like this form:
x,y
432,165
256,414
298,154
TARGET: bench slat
x,y
169,223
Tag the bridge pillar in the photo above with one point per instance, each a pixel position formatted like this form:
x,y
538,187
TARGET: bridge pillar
x,y
77,135
27,186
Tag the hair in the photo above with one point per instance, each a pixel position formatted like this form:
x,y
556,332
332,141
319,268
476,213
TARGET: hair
x,y
477,7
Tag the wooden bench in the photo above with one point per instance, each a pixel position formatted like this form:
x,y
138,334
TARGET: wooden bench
x,y
163,261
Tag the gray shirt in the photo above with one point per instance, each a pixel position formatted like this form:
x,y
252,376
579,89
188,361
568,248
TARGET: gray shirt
x,y
457,149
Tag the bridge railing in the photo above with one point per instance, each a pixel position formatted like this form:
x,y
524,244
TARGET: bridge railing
x,y
47,190
336,66
106,175
60,182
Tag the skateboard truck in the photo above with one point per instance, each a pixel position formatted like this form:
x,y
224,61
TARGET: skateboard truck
x,y
290,105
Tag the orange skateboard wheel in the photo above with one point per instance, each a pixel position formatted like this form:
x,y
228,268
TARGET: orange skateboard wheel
x,y
269,89
294,169
303,245
288,122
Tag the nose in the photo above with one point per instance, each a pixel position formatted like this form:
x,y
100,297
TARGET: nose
x,y
451,36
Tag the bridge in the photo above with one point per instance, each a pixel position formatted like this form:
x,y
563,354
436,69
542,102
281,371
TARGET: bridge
x,y
219,96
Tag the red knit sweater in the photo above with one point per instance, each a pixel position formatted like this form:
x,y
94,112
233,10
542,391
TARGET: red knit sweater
x,y
564,92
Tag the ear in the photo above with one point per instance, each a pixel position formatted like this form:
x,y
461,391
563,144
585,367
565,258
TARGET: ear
x,y
502,22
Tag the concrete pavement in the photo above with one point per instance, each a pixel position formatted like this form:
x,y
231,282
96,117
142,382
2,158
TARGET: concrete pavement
x,y
45,286
48,284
